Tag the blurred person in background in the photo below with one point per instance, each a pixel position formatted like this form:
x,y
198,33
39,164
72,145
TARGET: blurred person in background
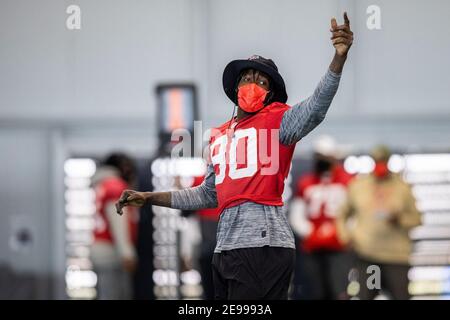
x,y
113,252
320,194
376,219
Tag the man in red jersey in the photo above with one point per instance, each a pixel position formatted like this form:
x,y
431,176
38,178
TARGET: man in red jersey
x,y
250,157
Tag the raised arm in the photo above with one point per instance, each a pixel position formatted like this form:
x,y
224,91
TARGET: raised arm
x,y
303,117
202,196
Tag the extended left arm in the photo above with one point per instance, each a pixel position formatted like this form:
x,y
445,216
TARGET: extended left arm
x,y
302,118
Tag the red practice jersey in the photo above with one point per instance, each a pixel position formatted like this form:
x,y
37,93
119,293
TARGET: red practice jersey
x,y
250,163
107,191
323,196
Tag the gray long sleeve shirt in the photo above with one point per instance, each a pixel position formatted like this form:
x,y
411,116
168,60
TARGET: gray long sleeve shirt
x,y
250,224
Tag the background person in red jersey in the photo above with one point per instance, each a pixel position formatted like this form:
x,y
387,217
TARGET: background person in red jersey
x,y
113,252
320,194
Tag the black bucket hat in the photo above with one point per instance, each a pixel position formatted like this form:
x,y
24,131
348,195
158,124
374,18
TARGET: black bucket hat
x,y
233,71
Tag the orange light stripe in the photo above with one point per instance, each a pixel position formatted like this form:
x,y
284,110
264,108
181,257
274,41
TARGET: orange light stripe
x,y
175,109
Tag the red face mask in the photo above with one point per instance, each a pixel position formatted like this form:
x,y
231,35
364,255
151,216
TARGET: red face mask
x,y
251,97
381,170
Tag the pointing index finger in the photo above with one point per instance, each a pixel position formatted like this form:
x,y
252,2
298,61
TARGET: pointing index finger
x,y
346,20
